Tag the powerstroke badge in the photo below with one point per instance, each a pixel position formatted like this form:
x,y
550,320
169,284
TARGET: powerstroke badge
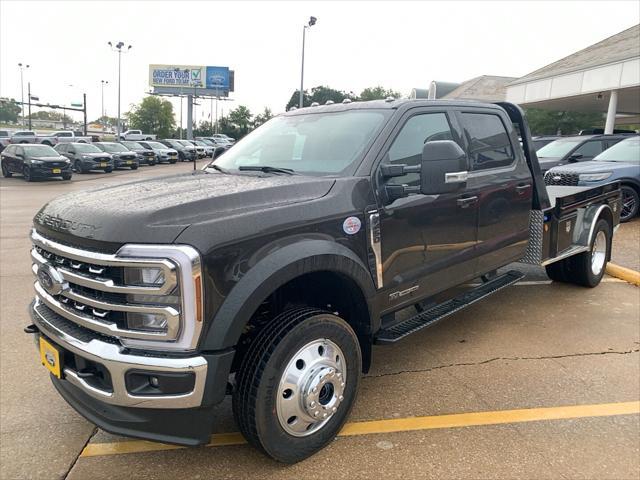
x,y
352,225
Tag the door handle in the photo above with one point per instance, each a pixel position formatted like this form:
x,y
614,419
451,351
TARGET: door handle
x,y
520,189
465,202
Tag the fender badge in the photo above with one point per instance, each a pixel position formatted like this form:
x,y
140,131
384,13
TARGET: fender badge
x,y
351,225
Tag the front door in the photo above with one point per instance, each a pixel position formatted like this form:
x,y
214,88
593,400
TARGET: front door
x,y
427,241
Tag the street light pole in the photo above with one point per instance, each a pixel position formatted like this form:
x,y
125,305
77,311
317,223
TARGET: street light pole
x,y
102,84
312,22
22,67
118,48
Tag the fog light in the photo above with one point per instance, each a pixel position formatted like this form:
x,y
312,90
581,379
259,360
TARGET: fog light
x,y
149,322
154,382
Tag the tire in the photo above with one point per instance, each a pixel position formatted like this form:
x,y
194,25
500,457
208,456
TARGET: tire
x,y
108,170
78,167
260,399
5,171
66,177
134,167
26,173
171,162
557,271
630,203
588,268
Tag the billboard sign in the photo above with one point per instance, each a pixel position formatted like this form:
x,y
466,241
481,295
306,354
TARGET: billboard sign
x,y
174,79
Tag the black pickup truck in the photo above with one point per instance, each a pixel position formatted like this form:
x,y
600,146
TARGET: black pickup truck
x,y
269,274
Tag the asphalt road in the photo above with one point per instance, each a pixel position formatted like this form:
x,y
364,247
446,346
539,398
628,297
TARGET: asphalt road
x,y
540,381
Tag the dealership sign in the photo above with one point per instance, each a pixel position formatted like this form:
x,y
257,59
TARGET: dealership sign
x,y
209,80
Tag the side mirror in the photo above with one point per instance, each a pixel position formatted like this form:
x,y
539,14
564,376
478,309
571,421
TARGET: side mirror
x,y
442,169
575,157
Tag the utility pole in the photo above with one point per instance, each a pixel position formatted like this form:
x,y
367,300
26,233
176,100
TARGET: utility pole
x,y
312,22
22,67
102,84
84,101
29,95
118,48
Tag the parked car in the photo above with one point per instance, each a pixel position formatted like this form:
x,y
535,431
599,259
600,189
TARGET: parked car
x,y
200,151
580,148
620,163
224,137
136,135
283,266
30,136
5,139
34,161
599,131
163,153
542,140
145,156
85,157
122,156
208,149
185,152
218,147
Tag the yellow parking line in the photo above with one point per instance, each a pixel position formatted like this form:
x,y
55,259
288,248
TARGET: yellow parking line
x,y
623,273
399,425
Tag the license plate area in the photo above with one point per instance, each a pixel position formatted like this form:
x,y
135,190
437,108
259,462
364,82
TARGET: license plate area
x,y
50,357
57,170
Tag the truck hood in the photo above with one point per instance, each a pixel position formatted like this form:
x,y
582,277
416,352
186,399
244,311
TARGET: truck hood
x,y
159,209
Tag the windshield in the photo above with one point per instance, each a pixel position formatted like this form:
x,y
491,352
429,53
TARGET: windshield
x,y
86,148
185,143
207,142
321,143
627,150
559,148
133,145
114,147
39,151
156,146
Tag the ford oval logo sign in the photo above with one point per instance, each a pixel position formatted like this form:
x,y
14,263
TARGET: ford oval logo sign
x,y
51,280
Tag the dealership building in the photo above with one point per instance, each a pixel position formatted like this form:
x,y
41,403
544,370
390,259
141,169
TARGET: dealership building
x,y
604,77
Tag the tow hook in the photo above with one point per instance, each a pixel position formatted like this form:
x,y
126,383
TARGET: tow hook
x,y
31,329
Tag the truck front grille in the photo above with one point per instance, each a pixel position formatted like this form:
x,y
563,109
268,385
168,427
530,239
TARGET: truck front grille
x,y
133,296
568,179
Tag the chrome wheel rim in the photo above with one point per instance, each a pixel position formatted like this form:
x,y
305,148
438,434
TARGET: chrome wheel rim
x,y
311,388
628,204
598,253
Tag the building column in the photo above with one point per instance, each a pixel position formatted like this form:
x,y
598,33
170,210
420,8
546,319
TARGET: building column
x,y
611,112
189,117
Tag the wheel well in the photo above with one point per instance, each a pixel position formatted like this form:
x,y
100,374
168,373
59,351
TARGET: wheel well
x,y
330,291
632,185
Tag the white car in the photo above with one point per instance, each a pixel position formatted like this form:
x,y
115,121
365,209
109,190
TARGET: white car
x,y
136,135
63,136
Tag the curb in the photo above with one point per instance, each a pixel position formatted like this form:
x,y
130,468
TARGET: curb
x,y
623,273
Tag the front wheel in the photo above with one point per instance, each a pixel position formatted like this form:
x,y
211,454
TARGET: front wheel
x,y
134,167
5,171
630,203
108,170
297,384
66,177
26,173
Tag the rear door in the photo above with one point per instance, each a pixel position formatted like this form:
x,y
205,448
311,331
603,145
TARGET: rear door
x,y
500,178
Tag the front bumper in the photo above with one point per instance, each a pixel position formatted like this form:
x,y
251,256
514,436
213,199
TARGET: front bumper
x,y
125,163
146,159
38,171
184,419
95,165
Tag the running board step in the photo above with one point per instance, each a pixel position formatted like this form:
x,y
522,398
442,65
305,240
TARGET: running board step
x,y
438,312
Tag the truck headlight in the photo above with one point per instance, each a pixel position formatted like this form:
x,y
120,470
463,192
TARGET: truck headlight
x,y
594,177
36,162
148,322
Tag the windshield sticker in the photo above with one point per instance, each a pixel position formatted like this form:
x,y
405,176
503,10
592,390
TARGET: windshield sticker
x,y
351,225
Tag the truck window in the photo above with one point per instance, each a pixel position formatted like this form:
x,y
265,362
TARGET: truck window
x,y
407,146
489,145
590,149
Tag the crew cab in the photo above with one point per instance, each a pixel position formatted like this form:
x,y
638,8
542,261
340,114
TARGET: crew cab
x,y
136,135
63,136
271,273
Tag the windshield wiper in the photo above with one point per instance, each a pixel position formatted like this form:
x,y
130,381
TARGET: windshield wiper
x,y
266,169
218,168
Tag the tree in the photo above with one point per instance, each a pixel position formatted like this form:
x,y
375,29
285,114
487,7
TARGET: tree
x,y
9,110
377,93
53,116
262,117
240,117
548,122
153,115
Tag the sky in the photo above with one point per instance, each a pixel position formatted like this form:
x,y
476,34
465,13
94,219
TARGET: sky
x,y
354,45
